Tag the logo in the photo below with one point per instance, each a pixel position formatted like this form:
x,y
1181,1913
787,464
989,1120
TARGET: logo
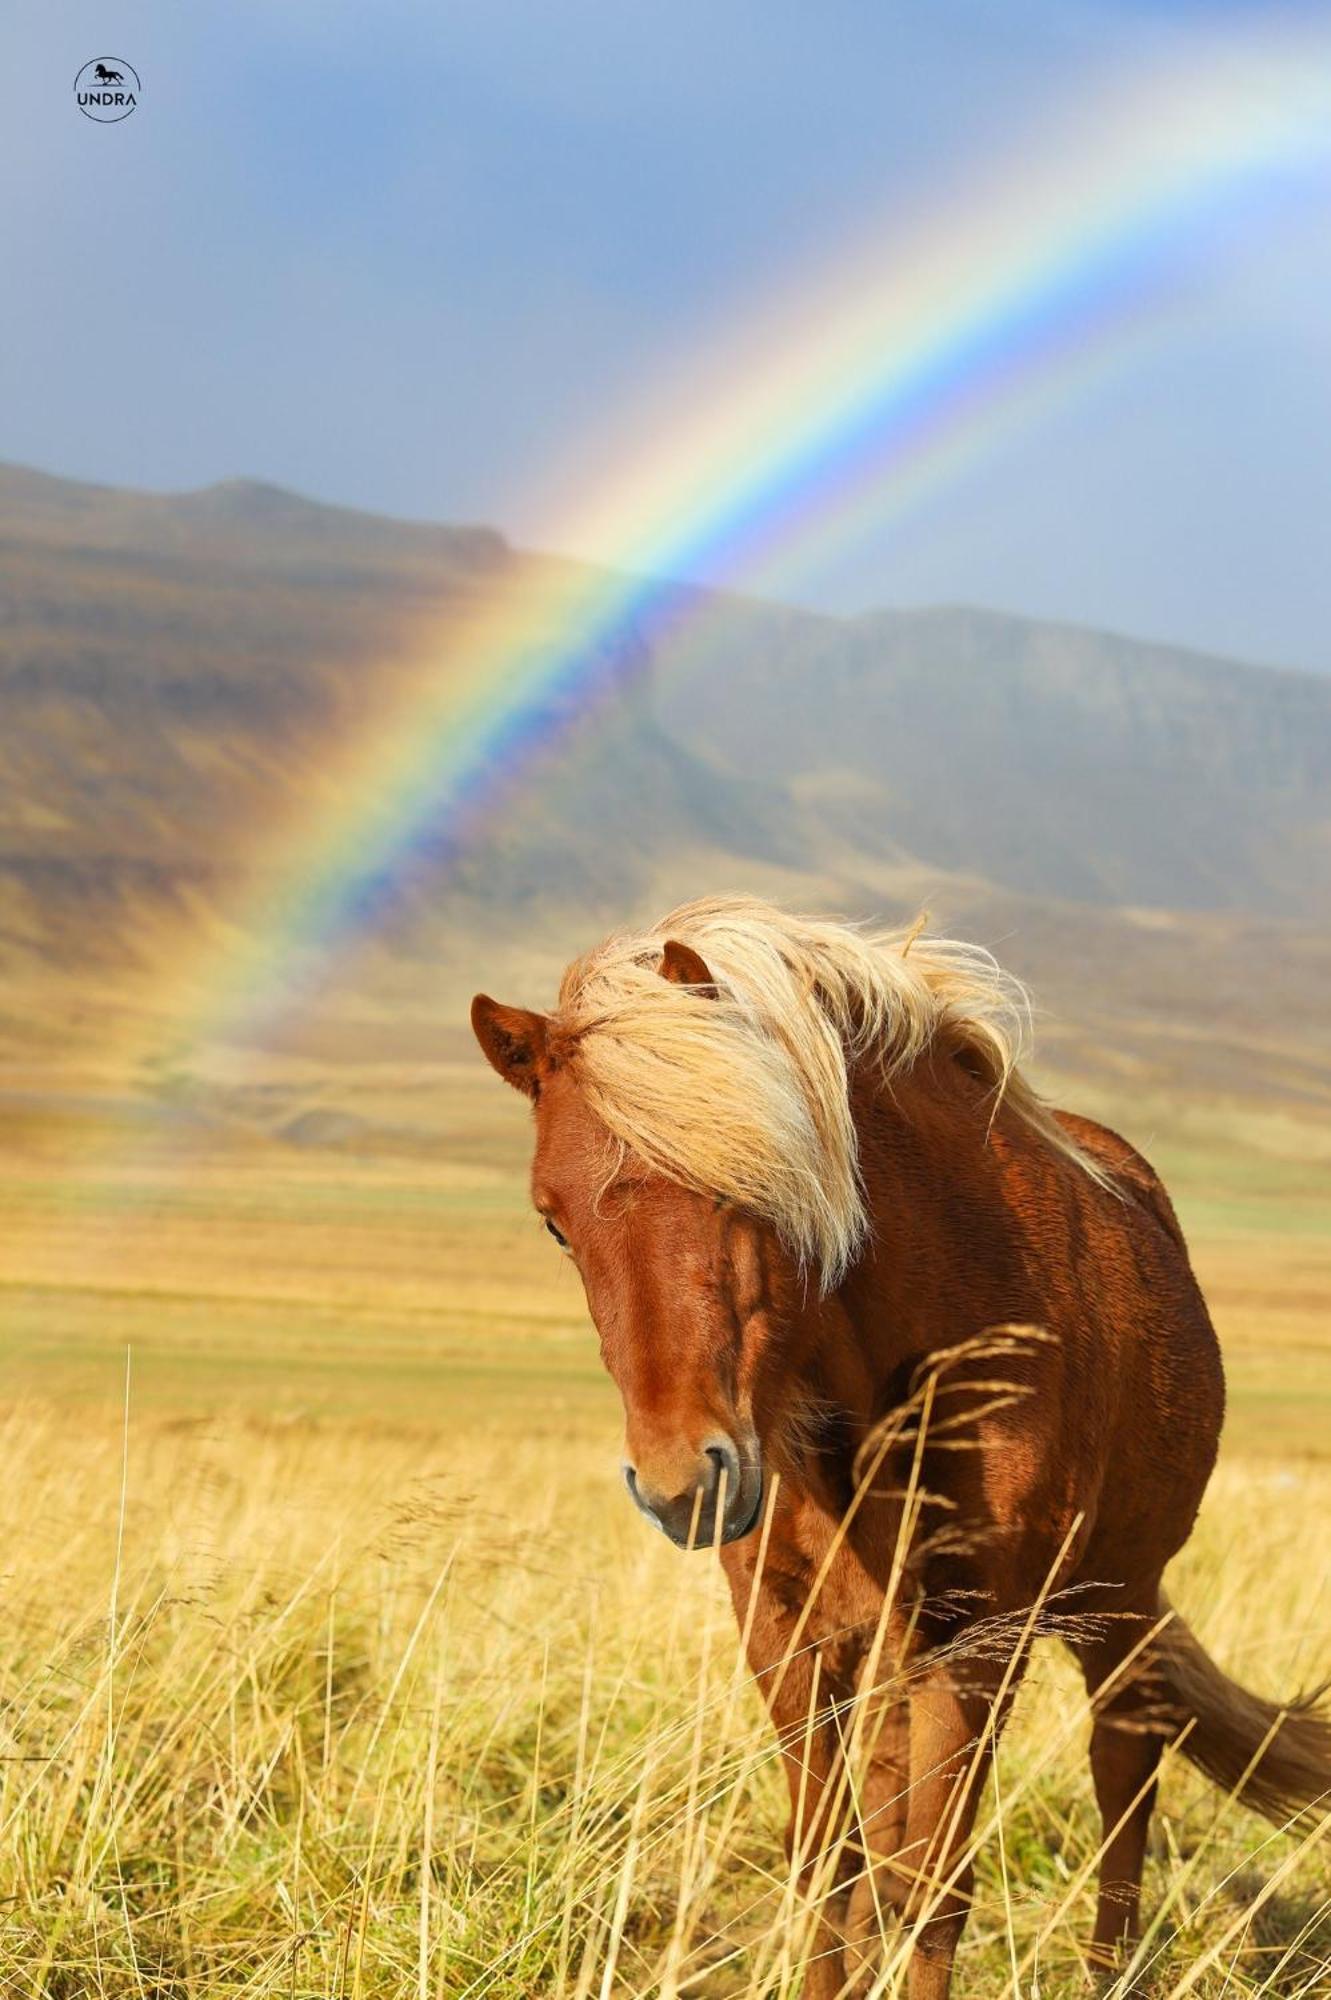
x,y
107,89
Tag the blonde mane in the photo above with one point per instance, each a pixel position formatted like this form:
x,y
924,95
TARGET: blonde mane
x,y
744,1092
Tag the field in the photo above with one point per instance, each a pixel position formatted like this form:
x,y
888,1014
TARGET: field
x,y
334,1662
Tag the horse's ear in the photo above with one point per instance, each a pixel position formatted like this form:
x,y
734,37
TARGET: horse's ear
x,y
513,1041
682,966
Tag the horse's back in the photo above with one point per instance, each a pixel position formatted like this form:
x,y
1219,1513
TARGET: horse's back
x,y
1129,1168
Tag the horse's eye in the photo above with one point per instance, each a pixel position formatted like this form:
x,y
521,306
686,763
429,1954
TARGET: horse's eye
x,y
560,1239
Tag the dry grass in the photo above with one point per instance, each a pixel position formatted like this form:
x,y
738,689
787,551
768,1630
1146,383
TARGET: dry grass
x,y
302,1710
342,1668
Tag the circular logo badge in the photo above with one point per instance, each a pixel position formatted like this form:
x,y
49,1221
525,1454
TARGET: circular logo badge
x,y
107,89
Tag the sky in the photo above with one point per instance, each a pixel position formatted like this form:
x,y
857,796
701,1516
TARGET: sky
x,y
450,261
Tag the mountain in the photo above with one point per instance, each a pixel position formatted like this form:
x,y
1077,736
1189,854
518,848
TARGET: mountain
x,y
1064,762
184,680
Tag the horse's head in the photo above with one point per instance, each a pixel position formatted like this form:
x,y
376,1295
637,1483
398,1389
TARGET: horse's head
x,y
691,1295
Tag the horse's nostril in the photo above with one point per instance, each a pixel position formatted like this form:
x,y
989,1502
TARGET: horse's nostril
x,y
725,1459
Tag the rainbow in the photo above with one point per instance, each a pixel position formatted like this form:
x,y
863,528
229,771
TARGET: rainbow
x,y
879,380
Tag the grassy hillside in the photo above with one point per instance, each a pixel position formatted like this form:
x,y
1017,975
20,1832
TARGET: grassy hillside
x,y
179,676
335,1660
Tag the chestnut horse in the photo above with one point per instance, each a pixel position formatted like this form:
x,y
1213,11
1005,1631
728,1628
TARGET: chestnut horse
x,y
924,1359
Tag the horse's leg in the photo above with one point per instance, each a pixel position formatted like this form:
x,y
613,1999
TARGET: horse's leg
x,y
1126,1742
805,1703
806,1682
957,1709
878,1828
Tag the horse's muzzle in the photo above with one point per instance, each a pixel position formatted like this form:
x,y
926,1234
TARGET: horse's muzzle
x,y
722,1502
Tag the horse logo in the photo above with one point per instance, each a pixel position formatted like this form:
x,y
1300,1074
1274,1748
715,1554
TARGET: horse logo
x,y
107,89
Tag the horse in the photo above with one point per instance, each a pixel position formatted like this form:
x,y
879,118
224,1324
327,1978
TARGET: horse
x,y
923,1359
105,75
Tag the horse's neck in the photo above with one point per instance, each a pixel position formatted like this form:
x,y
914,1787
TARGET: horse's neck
x,y
946,1255
954,1205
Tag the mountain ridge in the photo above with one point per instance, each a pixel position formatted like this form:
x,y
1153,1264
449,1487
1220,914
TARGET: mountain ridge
x,y
181,677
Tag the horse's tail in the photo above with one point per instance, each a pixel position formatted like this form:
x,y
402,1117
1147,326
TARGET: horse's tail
x,y
1274,1757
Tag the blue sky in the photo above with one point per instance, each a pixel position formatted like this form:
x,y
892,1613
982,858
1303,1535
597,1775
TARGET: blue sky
x,y
425,259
